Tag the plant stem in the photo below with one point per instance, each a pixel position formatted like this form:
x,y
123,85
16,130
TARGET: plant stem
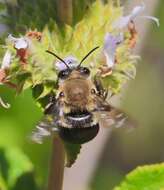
x,y
55,181
65,12
117,3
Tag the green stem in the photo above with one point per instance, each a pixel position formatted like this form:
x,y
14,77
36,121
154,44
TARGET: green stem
x,y
65,12
117,3
55,181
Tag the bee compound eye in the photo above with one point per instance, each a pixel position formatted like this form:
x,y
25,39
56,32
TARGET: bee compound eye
x,y
84,71
61,94
93,91
64,74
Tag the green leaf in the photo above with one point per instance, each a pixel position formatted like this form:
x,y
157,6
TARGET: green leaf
x,y
112,83
2,6
72,151
3,185
37,91
149,177
26,182
19,164
42,102
48,88
42,93
15,167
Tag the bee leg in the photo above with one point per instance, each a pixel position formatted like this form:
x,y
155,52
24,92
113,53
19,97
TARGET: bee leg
x,y
102,105
103,93
51,106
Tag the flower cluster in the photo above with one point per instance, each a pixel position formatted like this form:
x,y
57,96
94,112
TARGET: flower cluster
x,y
26,63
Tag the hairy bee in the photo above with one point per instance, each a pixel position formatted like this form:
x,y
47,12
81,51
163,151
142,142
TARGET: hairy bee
x,y
79,105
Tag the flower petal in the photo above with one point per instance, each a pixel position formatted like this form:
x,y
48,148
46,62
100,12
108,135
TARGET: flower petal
x,y
70,60
19,43
6,60
110,45
156,20
123,21
136,11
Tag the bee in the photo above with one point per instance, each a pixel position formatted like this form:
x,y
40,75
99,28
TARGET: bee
x,y
78,107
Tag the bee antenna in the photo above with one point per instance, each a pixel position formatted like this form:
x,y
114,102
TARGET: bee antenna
x,y
87,55
50,52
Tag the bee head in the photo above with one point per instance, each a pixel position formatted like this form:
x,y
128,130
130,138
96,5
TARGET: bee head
x,y
75,85
78,72
70,68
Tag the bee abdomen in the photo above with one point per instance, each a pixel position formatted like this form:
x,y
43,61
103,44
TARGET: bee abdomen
x,y
78,135
79,122
79,119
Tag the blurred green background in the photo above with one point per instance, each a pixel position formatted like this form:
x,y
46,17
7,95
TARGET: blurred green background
x,y
125,149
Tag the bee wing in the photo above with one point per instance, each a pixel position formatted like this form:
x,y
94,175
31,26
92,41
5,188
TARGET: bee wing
x,y
110,116
43,129
114,117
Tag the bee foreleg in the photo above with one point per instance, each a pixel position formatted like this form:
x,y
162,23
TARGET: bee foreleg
x,y
103,93
51,106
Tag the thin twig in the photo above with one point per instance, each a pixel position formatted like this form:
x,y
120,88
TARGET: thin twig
x,y
55,181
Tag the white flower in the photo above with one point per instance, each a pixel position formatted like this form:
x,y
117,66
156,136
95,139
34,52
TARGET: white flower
x,y
123,21
71,61
6,60
19,43
111,43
